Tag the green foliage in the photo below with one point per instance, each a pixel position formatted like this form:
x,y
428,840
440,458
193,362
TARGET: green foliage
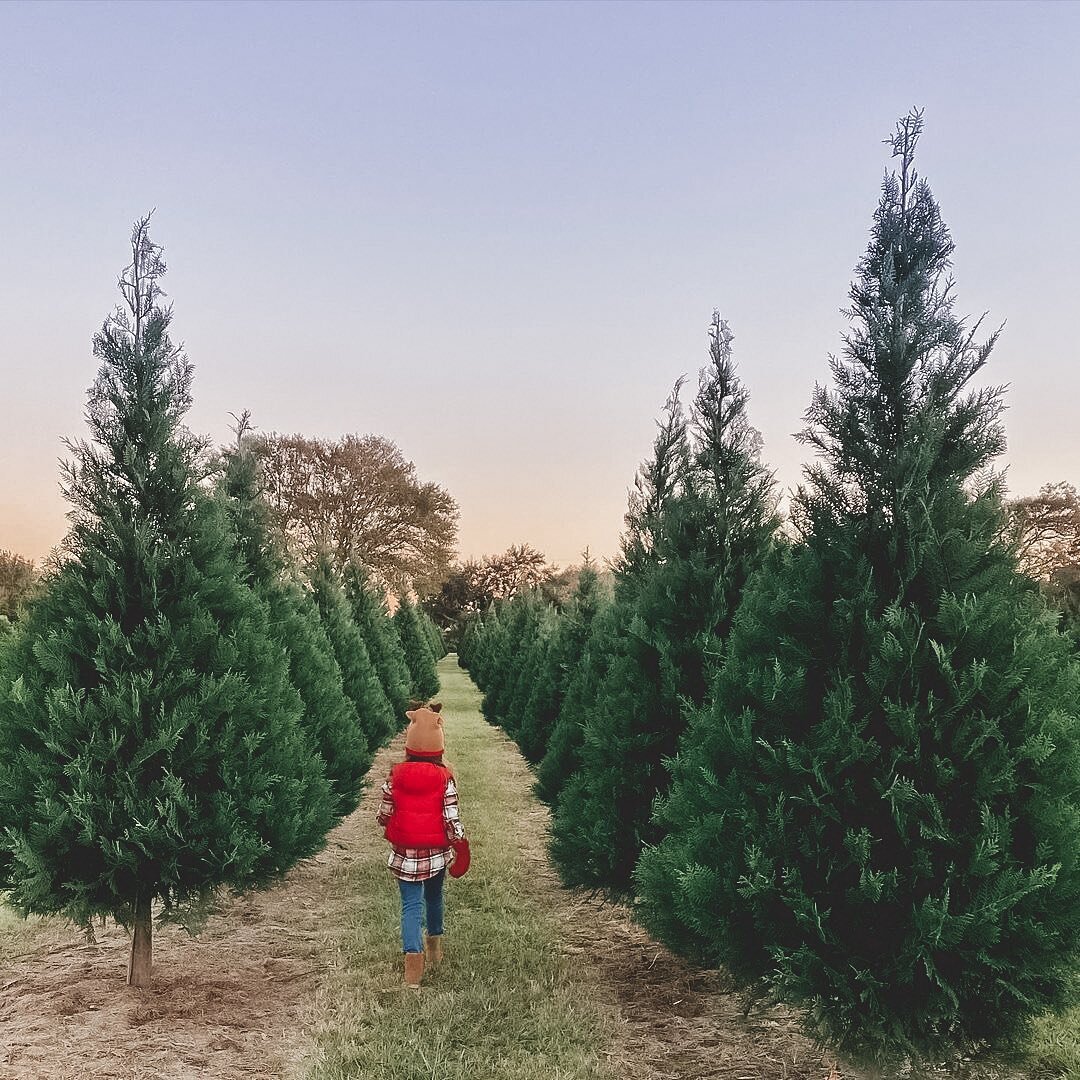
x,y
520,625
535,644
150,739
562,755
330,717
358,675
876,815
418,655
384,647
698,529
432,634
561,649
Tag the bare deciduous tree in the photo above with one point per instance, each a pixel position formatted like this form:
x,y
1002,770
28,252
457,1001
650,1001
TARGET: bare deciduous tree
x,y
17,581
358,498
1046,530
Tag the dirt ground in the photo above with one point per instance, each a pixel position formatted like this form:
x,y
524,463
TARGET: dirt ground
x,y
235,1002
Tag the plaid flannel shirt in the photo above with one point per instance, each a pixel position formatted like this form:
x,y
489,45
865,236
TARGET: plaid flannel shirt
x,y
419,864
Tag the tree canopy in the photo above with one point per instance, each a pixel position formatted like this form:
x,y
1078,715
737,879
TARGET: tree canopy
x,y
358,498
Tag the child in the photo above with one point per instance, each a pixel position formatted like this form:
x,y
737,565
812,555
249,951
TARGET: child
x,y
419,812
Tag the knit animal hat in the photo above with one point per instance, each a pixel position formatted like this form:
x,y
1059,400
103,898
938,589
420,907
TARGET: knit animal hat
x,y
424,735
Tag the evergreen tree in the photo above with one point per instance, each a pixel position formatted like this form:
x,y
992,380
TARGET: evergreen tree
x,y
539,710
540,618
384,647
658,481
421,664
562,755
330,717
358,675
150,739
517,621
468,643
563,648
493,630
878,815
431,634
707,534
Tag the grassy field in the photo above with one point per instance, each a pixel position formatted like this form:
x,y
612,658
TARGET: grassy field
x,y
506,1004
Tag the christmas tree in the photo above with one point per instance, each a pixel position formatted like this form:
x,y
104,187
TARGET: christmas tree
x,y
659,480
562,753
561,649
539,628
688,555
373,621
520,619
330,717
418,655
151,747
359,677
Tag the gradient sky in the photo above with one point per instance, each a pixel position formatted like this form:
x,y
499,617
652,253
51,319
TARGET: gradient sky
x,y
495,233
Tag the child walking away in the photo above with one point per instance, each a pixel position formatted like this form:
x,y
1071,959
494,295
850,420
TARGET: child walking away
x,y
419,812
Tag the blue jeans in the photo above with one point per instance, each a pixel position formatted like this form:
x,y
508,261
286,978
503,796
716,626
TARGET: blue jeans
x,y
416,895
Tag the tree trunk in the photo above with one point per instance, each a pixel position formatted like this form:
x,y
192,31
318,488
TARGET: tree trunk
x,y
141,960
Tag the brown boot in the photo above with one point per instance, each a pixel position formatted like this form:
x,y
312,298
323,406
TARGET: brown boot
x,y
434,949
414,969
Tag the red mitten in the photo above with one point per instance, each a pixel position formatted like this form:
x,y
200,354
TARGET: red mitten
x,y
461,857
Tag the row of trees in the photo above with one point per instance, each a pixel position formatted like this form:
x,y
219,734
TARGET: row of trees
x,y
180,709
841,758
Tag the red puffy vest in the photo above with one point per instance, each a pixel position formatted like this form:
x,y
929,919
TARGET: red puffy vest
x,y
418,788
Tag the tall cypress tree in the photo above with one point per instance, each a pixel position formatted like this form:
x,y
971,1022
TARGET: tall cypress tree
x,y
564,647
373,620
488,631
658,481
562,754
359,677
150,739
519,621
330,717
418,657
680,594
878,815
540,619
432,634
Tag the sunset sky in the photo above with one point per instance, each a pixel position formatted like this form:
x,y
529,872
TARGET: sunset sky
x,y
495,233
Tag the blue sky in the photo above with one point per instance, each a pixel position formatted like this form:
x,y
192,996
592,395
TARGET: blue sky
x,y
495,233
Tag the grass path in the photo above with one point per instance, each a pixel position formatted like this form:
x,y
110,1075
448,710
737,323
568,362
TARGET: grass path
x,y
508,1003
539,983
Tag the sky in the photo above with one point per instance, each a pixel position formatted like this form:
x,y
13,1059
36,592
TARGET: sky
x,y
495,233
